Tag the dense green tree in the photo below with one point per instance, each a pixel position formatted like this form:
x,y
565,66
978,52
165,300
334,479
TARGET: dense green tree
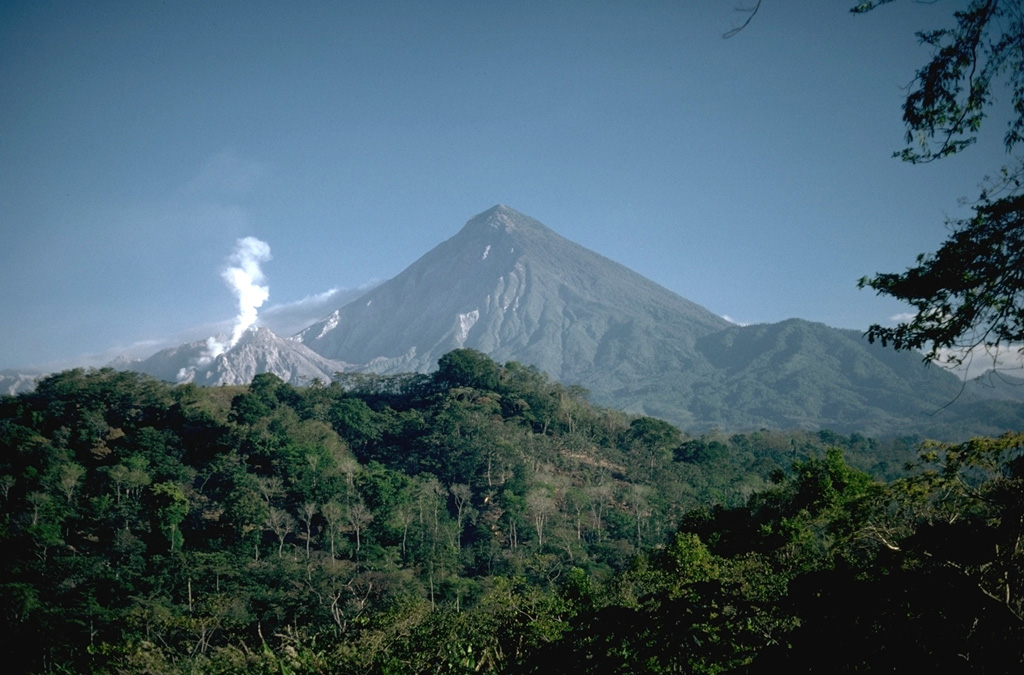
x,y
170,506
467,368
355,422
528,394
653,441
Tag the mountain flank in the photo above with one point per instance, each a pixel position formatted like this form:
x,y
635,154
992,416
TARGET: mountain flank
x,y
512,288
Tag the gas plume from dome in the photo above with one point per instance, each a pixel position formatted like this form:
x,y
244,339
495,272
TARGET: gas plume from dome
x,y
244,277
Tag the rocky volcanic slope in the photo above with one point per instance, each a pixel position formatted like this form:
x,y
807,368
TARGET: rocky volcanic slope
x,y
514,289
258,351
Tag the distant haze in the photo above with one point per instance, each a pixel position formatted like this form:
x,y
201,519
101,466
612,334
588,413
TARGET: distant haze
x,y
752,176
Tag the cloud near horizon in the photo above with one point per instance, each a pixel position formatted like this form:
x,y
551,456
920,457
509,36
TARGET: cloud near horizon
x,y
287,319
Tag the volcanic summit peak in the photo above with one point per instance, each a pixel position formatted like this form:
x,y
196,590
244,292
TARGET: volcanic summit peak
x,y
501,217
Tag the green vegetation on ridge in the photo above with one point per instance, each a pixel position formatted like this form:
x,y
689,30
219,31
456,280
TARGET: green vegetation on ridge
x,y
480,519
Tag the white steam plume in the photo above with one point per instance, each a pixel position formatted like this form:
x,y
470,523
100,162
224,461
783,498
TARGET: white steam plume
x,y
244,278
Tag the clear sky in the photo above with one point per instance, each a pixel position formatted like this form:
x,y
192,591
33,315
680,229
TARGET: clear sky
x,y
140,140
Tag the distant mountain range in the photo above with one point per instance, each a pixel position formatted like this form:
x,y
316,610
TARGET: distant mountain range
x,y
514,289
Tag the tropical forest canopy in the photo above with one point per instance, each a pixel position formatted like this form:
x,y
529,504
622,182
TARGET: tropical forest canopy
x,y
485,519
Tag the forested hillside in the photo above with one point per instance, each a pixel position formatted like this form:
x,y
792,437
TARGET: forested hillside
x,y
483,519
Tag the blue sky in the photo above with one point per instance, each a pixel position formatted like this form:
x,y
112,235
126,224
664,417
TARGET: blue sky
x,y
139,141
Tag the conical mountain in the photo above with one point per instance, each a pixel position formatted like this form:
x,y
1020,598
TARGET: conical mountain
x,y
514,289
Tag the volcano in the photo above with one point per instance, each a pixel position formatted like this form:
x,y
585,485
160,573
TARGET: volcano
x,y
512,288
509,286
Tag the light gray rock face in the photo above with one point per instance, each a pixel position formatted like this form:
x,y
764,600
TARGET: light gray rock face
x,y
16,382
258,351
514,289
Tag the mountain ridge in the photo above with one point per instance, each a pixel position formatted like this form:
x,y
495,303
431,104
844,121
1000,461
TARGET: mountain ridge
x,y
512,288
